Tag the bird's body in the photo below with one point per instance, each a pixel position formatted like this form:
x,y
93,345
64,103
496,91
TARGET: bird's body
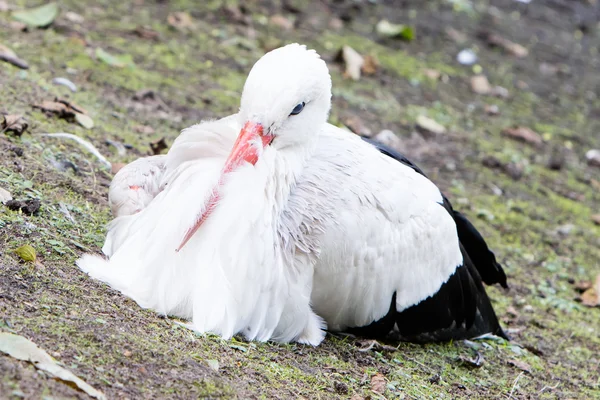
x,y
294,226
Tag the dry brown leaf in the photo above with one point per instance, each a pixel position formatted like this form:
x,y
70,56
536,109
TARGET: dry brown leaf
x,y
480,84
522,365
370,65
591,297
523,134
378,383
158,146
282,22
74,17
18,26
511,47
145,129
180,20
14,123
23,349
432,74
146,33
56,107
353,62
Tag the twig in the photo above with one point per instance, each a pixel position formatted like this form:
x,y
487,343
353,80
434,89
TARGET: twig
x,y
550,387
16,61
87,145
515,385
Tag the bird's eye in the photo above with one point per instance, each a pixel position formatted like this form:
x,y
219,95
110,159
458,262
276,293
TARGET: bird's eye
x,y
298,109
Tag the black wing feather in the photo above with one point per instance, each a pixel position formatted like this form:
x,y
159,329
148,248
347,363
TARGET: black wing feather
x,y
461,308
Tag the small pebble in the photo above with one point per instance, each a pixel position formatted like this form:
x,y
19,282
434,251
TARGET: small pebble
x,y
467,57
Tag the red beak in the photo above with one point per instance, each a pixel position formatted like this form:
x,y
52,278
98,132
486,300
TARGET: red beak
x,y
246,149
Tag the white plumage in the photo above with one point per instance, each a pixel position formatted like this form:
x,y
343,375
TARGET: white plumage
x,y
301,226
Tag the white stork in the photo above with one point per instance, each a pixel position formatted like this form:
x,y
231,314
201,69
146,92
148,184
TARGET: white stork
x,y
277,225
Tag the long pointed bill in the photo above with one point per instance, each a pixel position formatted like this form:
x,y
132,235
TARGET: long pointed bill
x,y
246,149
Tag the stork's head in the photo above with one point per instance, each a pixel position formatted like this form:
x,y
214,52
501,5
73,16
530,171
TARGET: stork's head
x,y
286,100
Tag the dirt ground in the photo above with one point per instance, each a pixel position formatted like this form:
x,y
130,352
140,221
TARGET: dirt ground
x,y
533,200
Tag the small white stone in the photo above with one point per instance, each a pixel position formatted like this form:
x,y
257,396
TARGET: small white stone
x,y
467,57
593,157
5,196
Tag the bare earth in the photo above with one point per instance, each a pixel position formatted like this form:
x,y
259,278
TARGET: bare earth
x,y
533,203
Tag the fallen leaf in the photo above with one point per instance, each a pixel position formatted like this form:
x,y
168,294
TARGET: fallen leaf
x,y
213,364
127,353
26,253
56,107
429,126
84,120
73,106
523,134
150,98
370,65
591,297
180,20
158,146
29,207
512,311
9,56
5,196
120,61
432,74
593,157
39,16
387,29
74,17
14,123
235,13
498,41
23,349
378,383
522,365
17,26
282,22
582,286
480,84
146,33
353,62
145,129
